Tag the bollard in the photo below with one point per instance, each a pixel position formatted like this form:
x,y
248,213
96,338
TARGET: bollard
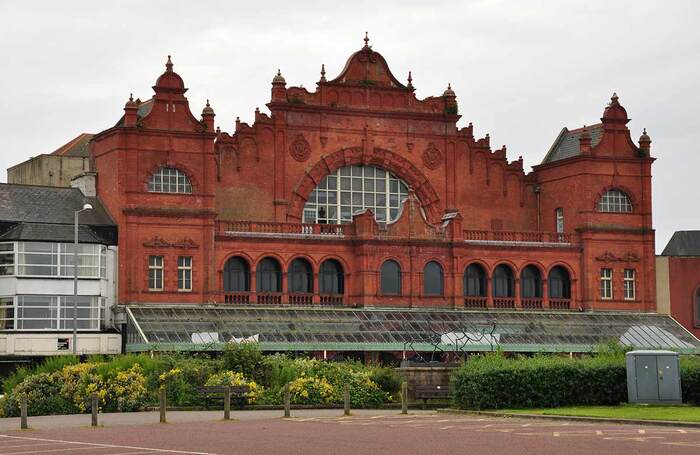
x,y
287,401
227,403
23,412
404,397
161,398
346,399
94,407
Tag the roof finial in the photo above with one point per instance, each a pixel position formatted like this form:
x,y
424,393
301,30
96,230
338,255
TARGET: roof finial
x,y
645,131
614,97
208,102
410,80
131,98
323,72
366,40
169,64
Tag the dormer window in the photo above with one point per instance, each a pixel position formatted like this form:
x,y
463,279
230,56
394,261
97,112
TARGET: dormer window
x,y
614,201
169,180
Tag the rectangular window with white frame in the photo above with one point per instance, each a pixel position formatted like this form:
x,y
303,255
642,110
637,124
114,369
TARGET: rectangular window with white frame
x,y
44,259
559,213
606,284
629,284
184,273
7,313
155,273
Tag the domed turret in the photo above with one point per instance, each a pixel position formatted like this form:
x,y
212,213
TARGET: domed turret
x,y
169,81
449,92
614,112
279,89
278,79
645,142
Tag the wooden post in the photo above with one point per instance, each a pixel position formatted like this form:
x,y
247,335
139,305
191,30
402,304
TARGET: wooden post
x,y
287,401
227,403
94,406
404,397
346,399
161,397
23,412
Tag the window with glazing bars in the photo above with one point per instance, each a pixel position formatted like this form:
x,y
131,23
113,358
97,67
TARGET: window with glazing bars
x,y
184,273
49,312
7,258
56,259
169,180
155,273
559,213
629,284
614,201
606,288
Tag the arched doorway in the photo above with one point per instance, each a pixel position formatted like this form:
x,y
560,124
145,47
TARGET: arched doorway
x,y
331,281
236,281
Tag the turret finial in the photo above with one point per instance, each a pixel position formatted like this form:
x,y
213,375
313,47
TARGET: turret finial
x,y
169,64
366,40
323,72
131,98
410,80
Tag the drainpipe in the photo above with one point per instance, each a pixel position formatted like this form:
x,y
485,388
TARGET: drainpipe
x,y
537,194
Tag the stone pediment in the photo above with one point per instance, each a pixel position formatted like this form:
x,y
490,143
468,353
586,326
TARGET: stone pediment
x,y
369,68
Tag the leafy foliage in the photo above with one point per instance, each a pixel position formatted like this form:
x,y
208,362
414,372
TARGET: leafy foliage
x,y
690,379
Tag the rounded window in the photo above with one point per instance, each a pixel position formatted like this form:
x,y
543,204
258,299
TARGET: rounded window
x,y
354,188
614,201
169,180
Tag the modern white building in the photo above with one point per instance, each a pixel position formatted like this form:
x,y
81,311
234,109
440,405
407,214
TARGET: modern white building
x,y
36,273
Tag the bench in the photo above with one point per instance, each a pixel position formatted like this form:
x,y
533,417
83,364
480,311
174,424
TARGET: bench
x,y
217,393
431,392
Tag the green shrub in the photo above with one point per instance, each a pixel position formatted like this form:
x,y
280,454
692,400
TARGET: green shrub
x,y
181,375
690,379
492,382
246,358
49,365
387,379
234,378
43,391
311,390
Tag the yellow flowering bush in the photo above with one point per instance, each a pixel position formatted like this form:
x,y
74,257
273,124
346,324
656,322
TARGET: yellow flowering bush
x,y
311,390
234,378
126,391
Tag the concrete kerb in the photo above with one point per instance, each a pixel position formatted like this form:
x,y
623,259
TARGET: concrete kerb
x,y
653,423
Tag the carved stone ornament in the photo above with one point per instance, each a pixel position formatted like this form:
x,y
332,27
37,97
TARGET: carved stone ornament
x,y
300,149
159,242
432,157
610,257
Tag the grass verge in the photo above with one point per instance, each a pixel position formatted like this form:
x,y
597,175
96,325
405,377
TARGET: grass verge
x,y
642,412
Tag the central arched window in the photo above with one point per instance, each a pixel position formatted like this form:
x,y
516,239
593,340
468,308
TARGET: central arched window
x,y
353,188
390,278
331,278
530,282
269,276
433,281
299,276
503,281
614,201
169,180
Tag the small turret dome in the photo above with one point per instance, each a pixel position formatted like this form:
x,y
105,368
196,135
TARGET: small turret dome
x,y
208,110
278,79
449,91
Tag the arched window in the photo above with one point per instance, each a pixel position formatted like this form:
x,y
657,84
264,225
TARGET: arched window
x,y
390,277
530,282
169,180
559,283
503,282
614,201
697,308
432,279
300,277
353,188
331,277
475,281
236,275
269,276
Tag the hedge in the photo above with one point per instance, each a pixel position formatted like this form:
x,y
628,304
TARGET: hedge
x,y
493,381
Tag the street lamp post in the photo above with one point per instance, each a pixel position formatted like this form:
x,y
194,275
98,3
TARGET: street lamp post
x,y
75,277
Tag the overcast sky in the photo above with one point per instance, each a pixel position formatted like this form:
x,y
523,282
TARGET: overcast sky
x,y
521,69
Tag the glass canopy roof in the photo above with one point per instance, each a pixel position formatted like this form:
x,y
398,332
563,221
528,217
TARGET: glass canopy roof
x,y
201,327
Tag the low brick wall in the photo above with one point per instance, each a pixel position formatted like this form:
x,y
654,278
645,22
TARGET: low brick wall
x,y
425,375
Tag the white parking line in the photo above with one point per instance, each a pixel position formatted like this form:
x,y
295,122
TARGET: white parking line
x,y
96,445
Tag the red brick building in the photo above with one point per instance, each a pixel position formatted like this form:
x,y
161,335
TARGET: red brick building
x,y
359,194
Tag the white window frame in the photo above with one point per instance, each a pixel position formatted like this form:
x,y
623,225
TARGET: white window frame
x,y
559,214
606,283
156,265
8,249
60,308
355,188
629,284
60,261
171,180
184,273
7,312
615,201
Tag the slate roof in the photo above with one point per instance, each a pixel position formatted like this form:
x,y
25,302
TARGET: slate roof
x,y
566,144
143,110
78,146
42,213
683,243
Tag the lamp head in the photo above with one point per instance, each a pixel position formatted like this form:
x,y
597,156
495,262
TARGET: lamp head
x,y
87,207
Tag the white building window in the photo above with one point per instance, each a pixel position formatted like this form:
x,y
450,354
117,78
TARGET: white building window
x,y
354,188
169,180
7,258
56,260
155,273
629,284
559,213
47,312
184,273
606,289
614,201
7,313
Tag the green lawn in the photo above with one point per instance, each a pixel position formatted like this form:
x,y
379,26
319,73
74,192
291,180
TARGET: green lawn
x,y
685,413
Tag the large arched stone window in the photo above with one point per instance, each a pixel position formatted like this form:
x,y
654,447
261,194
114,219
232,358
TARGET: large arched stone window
x,y
503,282
269,276
331,277
614,201
475,281
530,282
559,283
169,180
300,277
236,275
353,188
433,281
390,277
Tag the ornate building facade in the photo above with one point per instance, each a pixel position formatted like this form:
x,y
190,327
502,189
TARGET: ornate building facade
x,y
359,194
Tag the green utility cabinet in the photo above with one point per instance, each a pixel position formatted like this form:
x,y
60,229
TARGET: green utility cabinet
x,y
653,377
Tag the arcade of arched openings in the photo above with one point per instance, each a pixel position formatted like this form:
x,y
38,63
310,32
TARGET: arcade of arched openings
x,y
359,194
